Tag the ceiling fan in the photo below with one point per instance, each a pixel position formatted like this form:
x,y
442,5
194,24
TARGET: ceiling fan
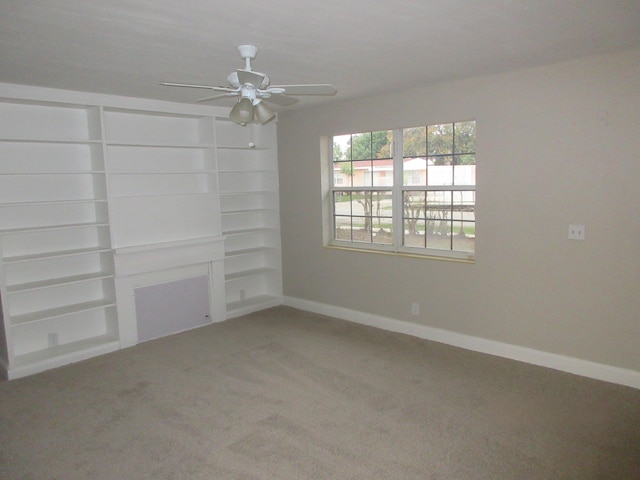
x,y
254,89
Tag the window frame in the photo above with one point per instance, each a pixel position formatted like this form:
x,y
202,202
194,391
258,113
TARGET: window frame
x,y
397,190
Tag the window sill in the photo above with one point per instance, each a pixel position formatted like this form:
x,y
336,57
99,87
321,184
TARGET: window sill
x,y
455,257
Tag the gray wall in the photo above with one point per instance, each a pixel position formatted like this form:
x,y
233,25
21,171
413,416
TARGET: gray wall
x,y
556,145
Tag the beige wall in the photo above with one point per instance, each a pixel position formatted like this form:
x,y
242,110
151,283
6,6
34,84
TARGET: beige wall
x,y
556,145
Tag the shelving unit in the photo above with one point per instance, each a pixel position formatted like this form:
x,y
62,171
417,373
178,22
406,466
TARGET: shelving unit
x,y
102,195
57,283
247,167
161,170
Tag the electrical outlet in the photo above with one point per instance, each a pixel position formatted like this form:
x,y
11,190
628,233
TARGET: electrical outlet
x,y
415,309
576,232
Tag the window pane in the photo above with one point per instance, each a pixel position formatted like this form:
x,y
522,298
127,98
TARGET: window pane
x,y
465,137
414,208
414,204
415,171
342,203
342,174
464,205
440,139
342,228
382,173
342,215
438,204
381,144
341,147
382,204
464,175
439,234
382,230
361,203
414,233
361,146
361,229
361,173
464,236
440,170
414,142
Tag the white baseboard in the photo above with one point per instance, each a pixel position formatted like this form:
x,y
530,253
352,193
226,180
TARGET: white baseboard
x,y
585,368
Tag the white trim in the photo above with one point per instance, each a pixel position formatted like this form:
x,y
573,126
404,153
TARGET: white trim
x,y
585,368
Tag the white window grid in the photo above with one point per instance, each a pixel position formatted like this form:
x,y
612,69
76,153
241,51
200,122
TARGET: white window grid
x,y
398,188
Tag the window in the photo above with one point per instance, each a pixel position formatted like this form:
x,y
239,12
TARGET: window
x,y
408,190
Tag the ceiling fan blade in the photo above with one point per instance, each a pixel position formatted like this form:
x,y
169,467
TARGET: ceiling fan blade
x,y
220,95
209,87
312,89
279,99
248,76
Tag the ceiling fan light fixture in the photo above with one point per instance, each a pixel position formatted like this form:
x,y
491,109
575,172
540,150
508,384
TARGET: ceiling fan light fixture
x,y
242,112
263,113
253,89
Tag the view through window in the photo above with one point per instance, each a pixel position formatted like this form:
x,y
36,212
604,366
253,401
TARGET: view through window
x,y
408,190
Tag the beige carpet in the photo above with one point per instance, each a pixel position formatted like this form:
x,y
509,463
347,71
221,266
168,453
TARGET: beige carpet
x,y
283,394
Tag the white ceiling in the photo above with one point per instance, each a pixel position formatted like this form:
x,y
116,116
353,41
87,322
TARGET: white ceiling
x,y
362,47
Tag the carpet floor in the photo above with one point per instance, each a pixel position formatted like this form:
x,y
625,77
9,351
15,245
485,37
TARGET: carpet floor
x,y
284,394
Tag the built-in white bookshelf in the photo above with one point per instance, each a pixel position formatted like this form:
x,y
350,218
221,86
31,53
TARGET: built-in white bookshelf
x,y
101,194
57,283
248,180
161,171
